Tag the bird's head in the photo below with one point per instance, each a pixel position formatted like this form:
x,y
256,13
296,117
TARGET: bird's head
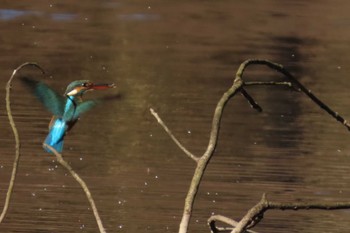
x,y
79,87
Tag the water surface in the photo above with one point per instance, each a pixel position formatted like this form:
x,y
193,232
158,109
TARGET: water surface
x,y
177,57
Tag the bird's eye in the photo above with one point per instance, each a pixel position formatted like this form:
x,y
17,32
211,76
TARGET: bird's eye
x,y
85,84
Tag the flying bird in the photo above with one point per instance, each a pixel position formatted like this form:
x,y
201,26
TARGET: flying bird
x,y
66,109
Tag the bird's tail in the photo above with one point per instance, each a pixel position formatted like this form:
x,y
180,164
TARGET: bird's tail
x,y
57,145
56,136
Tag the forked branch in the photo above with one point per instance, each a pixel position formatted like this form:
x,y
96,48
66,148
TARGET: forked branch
x,y
237,86
295,83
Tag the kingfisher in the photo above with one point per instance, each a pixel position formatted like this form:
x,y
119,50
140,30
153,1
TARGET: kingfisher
x,y
66,109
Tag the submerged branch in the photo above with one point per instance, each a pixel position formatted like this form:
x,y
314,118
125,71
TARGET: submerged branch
x,y
15,133
82,184
215,218
256,213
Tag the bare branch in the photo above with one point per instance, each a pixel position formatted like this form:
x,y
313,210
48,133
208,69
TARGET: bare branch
x,y
203,161
82,184
168,131
15,133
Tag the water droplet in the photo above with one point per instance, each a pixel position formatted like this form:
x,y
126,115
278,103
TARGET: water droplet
x,y
189,131
120,226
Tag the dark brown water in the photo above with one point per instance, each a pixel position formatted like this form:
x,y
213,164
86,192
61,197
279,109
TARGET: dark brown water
x,y
177,57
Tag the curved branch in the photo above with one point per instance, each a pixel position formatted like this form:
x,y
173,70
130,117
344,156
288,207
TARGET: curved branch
x,y
15,133
82,184
59,156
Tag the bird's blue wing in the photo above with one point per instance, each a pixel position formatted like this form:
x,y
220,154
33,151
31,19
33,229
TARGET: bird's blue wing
x,y
84,107
53,101
77,109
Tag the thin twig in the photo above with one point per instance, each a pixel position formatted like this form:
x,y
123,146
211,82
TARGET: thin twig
x,y
171,135
268,83
251,101
15,133
295,82
82,184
